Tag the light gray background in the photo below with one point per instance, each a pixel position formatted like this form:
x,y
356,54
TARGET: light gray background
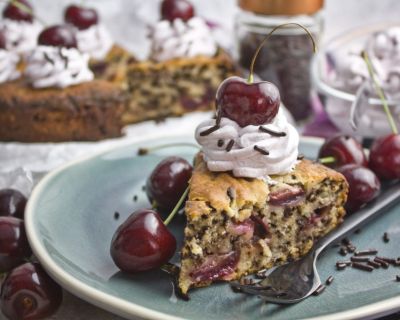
x,y
131,15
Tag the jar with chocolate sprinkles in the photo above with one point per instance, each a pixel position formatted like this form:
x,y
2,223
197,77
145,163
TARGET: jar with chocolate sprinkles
x,y
286,57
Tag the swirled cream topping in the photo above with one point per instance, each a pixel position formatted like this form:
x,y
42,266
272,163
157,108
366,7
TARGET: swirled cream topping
x,y
21,35
96,41
49,66
8,65
250,152
182,39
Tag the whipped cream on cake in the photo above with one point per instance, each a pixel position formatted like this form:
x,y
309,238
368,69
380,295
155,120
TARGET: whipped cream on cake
x,y
251,151
21,35
49,66
8,65
179,39
95,40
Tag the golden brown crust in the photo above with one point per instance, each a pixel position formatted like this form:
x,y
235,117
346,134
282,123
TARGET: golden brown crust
x,y
88,111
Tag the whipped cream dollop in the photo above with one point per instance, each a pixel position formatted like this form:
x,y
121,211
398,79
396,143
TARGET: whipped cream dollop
x,y
21,35
95,40
8,65
248,156
49,66
182,39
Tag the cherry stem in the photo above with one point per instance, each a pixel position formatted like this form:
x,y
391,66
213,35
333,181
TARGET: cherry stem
x,y
144,151
327,160
177,206
284,25
26,9
379,92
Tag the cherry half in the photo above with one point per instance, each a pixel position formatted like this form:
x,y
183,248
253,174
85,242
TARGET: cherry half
x,y
12,203
13,12
247,103
142,242
176,9
58,36
345,150
14,245
28,293
168,181
364,185
81,17
384,157
3,42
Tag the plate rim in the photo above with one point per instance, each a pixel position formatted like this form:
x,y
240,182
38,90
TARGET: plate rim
x,y
129,309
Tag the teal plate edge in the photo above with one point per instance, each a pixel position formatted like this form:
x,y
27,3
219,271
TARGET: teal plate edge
x,y
130,309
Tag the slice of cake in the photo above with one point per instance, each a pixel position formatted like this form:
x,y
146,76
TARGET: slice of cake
x,y
237,226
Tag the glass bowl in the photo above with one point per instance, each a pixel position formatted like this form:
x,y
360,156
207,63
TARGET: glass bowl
x,y
372,121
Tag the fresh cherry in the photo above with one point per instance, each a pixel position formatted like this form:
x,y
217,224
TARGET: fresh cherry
x,y
384,157
345,150
364,185
248,103
168,181
80,17
11,11
176,9
58,36
12,203
14,245
142,242
28,293
3,41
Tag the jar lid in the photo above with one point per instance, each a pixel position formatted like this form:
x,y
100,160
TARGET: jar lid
x,y
282,7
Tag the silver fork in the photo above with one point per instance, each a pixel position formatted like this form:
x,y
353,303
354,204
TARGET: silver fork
x,y
295,281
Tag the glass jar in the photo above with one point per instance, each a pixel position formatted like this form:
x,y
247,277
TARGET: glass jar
x,y
286,57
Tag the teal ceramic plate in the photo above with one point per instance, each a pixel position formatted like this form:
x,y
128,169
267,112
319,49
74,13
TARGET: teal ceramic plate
x,y
70,222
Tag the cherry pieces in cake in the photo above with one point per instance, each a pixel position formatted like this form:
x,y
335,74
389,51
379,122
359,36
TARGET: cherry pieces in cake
x,y
14,245
168,182
12,203
364,185
176,9
58,36
248,103
81,17
142,242
384,158
345,150
29,293
13,12
3,41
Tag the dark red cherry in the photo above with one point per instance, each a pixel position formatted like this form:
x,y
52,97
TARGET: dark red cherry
x,y
384,157
3,41
168,181
364,185
28,293
176,9
58,36
80,17
345,150
14,245
13,12
248,103
12,203
142,242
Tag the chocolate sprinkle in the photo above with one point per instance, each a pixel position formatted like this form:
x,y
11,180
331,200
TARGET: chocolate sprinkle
x,y
341,266
142,151
319,290
116,215
359,259
387,260
272,132
346,263
398,278
262,151
135,198
374,264
383,264
209,130
300,157
230,145
343,251
329,280
369,252
362,266
386,237
220,143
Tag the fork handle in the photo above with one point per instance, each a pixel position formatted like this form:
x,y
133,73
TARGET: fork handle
x,y
388,198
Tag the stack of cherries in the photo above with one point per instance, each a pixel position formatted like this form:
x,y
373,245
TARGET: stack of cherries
x,y
364,177
27,292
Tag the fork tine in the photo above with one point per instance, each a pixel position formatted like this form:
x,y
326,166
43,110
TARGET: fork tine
x,y
252,289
